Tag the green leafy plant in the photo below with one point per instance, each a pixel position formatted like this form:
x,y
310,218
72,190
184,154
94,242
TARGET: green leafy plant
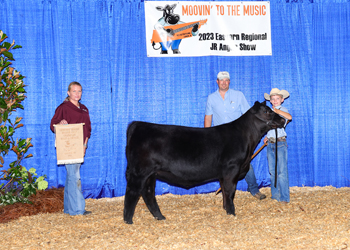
x,y
19,183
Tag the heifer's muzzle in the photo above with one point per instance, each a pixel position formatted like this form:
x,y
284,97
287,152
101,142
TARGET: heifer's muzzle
x,y
274,125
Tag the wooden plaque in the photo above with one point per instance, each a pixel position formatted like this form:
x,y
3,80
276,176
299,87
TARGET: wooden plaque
x,y
69,143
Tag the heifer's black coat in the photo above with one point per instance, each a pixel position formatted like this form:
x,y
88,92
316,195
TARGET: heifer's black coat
x,y
190,156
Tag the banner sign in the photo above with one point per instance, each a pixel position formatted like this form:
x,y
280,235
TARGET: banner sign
x,y
191,28
69,143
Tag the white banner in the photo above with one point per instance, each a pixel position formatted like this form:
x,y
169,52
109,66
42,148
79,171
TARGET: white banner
x,y
207,28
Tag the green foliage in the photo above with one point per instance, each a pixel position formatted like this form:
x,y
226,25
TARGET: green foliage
x,y
19,183
11,198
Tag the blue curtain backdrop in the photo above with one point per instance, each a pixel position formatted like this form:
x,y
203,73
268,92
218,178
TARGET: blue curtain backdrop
x,y
101,43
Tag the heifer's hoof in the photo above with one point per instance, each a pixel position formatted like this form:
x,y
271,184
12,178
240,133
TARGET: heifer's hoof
x,y
160,217
128,221
231,214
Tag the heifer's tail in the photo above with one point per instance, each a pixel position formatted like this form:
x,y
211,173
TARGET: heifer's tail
x,y
129,132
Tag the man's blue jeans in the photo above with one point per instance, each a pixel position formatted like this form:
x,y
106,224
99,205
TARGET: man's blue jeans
x,y
250,178
281,191
74,202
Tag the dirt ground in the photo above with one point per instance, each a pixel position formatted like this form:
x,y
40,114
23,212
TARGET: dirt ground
x,y
316,218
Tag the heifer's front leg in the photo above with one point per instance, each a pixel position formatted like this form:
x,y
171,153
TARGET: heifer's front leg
x,y
229,191
148,195
230,195
223,192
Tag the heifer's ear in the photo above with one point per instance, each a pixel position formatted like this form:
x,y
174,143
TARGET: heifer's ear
x,y
264,103
255,108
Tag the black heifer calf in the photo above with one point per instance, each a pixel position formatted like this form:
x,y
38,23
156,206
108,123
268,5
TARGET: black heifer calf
x,y
190,156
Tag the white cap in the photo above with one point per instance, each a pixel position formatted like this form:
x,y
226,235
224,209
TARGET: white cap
x,y
223,75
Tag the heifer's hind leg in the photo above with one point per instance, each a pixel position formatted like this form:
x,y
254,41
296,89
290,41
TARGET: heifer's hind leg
x,y
148,195
132,195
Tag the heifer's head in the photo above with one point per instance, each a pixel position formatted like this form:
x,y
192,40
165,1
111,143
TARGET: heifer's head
x,y
168,14
267,116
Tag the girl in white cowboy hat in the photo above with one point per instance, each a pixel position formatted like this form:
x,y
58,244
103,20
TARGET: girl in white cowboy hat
x,y
281,191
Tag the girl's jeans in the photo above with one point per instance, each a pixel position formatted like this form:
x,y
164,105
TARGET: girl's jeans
x,y
74,202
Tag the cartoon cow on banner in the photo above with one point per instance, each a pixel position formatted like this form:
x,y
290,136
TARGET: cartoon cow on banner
x,y
169,30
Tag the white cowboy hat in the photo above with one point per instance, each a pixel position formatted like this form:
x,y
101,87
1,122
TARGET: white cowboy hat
x,y
276,91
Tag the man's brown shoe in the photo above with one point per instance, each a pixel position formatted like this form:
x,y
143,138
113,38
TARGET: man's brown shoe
x,y
259,196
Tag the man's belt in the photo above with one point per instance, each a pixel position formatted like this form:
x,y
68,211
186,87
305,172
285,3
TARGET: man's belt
x,y
273,140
